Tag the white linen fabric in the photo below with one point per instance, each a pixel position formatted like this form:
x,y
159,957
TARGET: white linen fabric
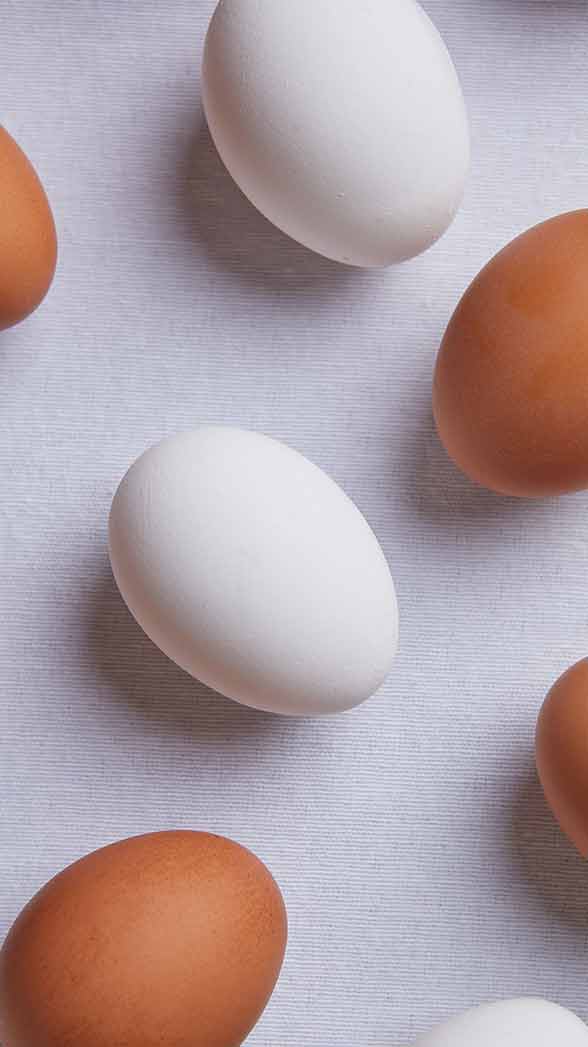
x,y
421,869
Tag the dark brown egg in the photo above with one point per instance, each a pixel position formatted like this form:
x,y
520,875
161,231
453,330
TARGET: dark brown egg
x,y
167,940
561,751
28,243
511,382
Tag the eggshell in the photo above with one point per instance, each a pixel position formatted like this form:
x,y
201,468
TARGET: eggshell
x,y
28,242
167,940
561,749
343,122
510,383
526,1022
253,571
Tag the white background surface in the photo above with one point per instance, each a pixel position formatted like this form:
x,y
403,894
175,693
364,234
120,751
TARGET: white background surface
x,y
421,870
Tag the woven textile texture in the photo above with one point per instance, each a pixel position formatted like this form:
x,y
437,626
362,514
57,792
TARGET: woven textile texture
x,y
421,869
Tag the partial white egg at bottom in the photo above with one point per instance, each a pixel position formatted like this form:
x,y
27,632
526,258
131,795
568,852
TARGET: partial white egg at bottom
x,y
523,1022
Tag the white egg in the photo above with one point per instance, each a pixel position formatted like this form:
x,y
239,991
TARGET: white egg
x,y
343,122
253,571
526,1022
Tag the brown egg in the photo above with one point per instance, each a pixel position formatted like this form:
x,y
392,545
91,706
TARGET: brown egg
x,y
510,398
28,243
167,940
561,750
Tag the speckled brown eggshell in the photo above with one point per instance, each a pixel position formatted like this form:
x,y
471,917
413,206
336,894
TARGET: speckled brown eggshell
x,y
28,242
510,392
561,751
167,940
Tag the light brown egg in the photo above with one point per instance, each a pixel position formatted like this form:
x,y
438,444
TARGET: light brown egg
x,y
167,940
28,242
510,391
561,750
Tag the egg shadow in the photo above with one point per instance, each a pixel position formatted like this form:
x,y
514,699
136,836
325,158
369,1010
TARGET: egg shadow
x,y
157,695
240,241
548,6
547,862
446,499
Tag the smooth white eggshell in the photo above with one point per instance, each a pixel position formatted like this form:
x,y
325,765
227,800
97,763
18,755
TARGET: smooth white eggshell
x,y
253,571
343,122
525,1022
